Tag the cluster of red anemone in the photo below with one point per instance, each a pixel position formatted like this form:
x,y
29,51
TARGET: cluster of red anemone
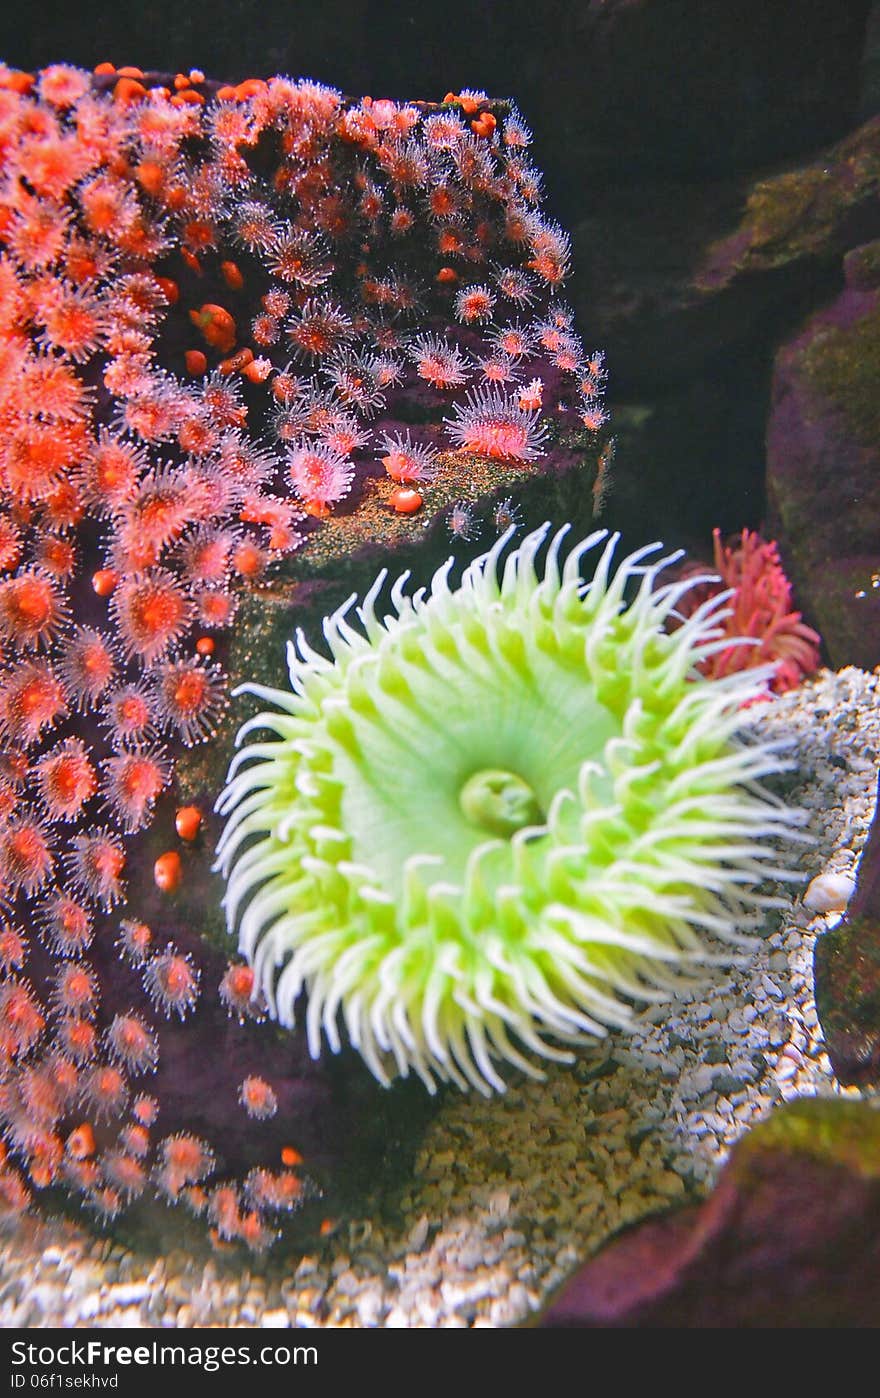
x,y
212,302
761,626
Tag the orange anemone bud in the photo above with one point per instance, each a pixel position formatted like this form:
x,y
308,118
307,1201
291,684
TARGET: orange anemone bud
x,y
128,90
232,275
188,822
258,370
205,645
17,82
290,1156
150,175
196,363
237,363
248,560
170,290
216,326
103,70
168,871
104,581
484,125
447,274
405,501
199,233
251,87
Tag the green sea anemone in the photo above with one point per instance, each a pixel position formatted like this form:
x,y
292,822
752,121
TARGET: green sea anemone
x,y
499,818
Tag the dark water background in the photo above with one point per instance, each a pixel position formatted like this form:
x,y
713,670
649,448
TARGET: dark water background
x,y
658,119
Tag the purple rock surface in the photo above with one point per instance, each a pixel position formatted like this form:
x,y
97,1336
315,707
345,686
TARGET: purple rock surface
x,y
789,1237
847,975
823,466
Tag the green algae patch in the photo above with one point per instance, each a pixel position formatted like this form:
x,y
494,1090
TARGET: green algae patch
x,y
375,523
790,210
800,214
829,1130
842,366
862,266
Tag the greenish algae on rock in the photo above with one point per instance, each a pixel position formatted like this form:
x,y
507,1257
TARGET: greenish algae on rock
x,y
790,1236
823,465
831,1130
842,366
806,213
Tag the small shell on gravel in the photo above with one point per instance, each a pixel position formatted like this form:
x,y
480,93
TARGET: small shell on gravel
x,y
829,892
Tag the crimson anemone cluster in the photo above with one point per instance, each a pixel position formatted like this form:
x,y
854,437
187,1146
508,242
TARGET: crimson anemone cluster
x,y
223,311
760,608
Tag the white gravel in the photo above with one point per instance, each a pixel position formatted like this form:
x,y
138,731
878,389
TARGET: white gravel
x,y
507,1197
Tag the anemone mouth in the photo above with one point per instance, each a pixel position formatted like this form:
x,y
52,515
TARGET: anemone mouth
x,y
441,769
494,821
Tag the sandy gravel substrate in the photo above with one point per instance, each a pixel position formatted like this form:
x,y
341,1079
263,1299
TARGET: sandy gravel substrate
x,y
509,1196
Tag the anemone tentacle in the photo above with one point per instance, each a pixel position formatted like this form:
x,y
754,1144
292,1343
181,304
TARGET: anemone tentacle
x,y
501,815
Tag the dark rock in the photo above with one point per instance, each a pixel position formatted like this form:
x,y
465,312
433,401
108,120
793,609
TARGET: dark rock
x,y
677,1041
823,467
587,1071
636,1138
728,1083
861,267
789,1237
672,275
690,288
847,975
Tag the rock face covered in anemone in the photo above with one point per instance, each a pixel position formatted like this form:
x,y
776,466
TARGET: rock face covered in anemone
x,y
229,317
494,819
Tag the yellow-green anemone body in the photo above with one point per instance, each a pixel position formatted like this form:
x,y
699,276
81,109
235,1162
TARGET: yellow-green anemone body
x,y
500,818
